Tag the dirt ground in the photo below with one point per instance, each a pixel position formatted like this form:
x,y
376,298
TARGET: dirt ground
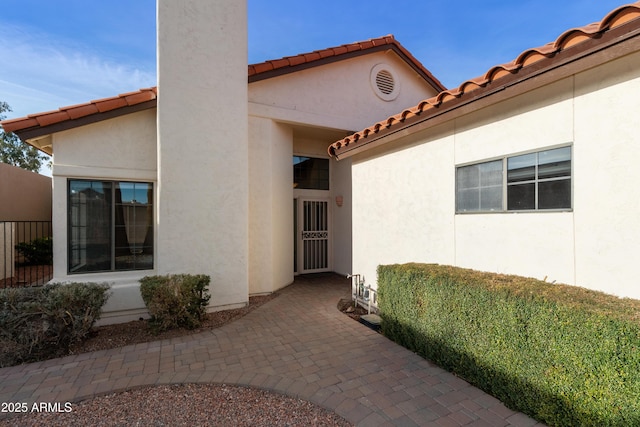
x,y
30,275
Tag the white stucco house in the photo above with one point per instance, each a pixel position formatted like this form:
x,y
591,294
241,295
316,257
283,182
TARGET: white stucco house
x,y
224,170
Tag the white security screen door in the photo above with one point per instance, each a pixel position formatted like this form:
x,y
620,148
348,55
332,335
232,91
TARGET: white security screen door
x,y
313,236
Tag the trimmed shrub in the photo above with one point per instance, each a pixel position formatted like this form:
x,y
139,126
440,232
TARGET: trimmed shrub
x,y
564,355
44,322
38,251
174,301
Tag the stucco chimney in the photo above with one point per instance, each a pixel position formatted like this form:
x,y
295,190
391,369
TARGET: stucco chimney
x,y
203,143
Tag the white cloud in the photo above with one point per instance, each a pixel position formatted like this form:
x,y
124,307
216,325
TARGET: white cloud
x,y
40,73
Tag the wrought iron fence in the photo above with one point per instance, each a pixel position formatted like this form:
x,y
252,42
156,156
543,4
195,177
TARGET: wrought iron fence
x,y
26,253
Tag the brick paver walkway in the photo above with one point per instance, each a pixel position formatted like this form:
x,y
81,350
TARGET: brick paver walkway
x,y
298,344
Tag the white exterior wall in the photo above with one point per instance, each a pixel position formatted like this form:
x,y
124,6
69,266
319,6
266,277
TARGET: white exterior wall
x,y
338,95
116,148
270,211
606,164
404,192
203,189
342,222
536,244
403,205
302,113
119,149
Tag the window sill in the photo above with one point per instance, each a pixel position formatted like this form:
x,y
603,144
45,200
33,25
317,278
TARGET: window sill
x,y
529,211
110,277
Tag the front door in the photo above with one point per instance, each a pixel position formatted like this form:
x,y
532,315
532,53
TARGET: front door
x,y
312,240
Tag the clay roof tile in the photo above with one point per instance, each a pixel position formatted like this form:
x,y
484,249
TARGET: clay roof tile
x,y
324,53
108,104
45,119
535,54
82,110
262,67
473,84
291,61
310,57
134,98
621,16
279,63
19,123
501,71
340,50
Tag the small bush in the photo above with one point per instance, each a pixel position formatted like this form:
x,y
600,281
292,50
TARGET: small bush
x,y
565,355
38,251
175,300
41,323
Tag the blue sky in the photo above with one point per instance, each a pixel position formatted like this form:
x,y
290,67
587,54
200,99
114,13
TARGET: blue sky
x,y
65,52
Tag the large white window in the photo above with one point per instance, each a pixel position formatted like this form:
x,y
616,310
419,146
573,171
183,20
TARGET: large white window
x,y
110,226
534,181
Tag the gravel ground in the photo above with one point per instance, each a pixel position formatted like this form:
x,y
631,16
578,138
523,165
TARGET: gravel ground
x,y
187,405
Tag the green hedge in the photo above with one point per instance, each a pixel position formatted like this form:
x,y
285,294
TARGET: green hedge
x,y
565,355
173,301
44,322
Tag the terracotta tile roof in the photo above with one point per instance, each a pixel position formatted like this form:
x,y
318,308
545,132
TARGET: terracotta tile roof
x,y
146,97
291,64
471,90
38,124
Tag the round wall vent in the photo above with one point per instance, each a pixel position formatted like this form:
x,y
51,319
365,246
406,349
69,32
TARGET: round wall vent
x,y
384,83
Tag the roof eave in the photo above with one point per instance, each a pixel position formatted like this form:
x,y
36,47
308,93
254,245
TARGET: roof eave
x,y
38,132
610,45
394,46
